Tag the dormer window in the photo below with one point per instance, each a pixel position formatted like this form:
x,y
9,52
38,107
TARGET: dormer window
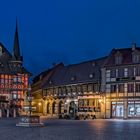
x,y
40,77
73,78
93,64
136,58
118,59
0,50
91,75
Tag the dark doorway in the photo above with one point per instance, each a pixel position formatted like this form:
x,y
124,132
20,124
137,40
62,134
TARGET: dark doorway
x,y
53,107
48,108
60,107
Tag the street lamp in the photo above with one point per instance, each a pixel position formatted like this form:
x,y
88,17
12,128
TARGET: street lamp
x,y
39,105
30,120
29,100
100,100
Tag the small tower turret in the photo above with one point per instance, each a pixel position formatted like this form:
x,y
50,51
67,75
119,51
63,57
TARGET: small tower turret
x,y
16,48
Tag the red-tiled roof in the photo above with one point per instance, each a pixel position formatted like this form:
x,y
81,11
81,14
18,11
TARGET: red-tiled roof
x,y
126,54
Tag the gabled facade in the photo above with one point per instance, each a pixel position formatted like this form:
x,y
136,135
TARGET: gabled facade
x,y
121,83
39,82
73,90
13,79
108,87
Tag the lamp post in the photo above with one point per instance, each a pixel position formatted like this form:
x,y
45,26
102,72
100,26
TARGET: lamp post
x,y
29,120
30,100
102,101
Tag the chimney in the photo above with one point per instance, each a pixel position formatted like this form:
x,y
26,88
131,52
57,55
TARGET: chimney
x,y
133,46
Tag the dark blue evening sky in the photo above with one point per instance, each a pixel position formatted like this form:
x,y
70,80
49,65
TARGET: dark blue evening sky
x,y
69,31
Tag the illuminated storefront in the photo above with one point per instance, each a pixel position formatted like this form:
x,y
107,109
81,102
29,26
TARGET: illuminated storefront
x,y
89,105
121,81
72,94
132,109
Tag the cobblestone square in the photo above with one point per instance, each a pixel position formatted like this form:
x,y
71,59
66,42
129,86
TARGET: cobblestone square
x,y
72,130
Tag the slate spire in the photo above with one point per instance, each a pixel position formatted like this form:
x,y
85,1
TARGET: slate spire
x,y
16,49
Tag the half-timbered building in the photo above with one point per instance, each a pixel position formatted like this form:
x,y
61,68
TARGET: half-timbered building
x,y
13,79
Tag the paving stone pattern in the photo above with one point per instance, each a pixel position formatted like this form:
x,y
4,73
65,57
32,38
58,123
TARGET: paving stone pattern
x,y
73,130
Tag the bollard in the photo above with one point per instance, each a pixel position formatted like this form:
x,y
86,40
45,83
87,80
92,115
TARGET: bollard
x,y
8,113
0,113
14,115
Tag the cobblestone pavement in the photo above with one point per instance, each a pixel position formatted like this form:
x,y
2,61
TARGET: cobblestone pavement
x,y
72,130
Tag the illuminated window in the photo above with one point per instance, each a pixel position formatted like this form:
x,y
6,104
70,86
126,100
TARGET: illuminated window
x,y
96,88
19,79
6,81
87,102
19,96
90,87
14,96
15,79
2,81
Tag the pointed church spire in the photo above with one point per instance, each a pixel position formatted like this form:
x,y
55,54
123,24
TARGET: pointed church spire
x,y
16,48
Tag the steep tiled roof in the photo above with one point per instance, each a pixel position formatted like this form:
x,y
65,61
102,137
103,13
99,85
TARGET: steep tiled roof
x,y
16,49
6,64
40,76
126,54
85,72
42,79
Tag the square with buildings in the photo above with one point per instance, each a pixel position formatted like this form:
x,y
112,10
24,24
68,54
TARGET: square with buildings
x,y
107,87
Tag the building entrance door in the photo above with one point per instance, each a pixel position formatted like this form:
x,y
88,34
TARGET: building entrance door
x,y
72,109
117,109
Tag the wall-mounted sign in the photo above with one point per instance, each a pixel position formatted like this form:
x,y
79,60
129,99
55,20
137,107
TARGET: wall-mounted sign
x,y
125,78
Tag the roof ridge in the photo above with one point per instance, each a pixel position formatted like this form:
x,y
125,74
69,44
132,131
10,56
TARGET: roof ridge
x,y
93,60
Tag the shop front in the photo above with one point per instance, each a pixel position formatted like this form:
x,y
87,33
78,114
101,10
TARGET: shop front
x,y
89,106
117,109
125,108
